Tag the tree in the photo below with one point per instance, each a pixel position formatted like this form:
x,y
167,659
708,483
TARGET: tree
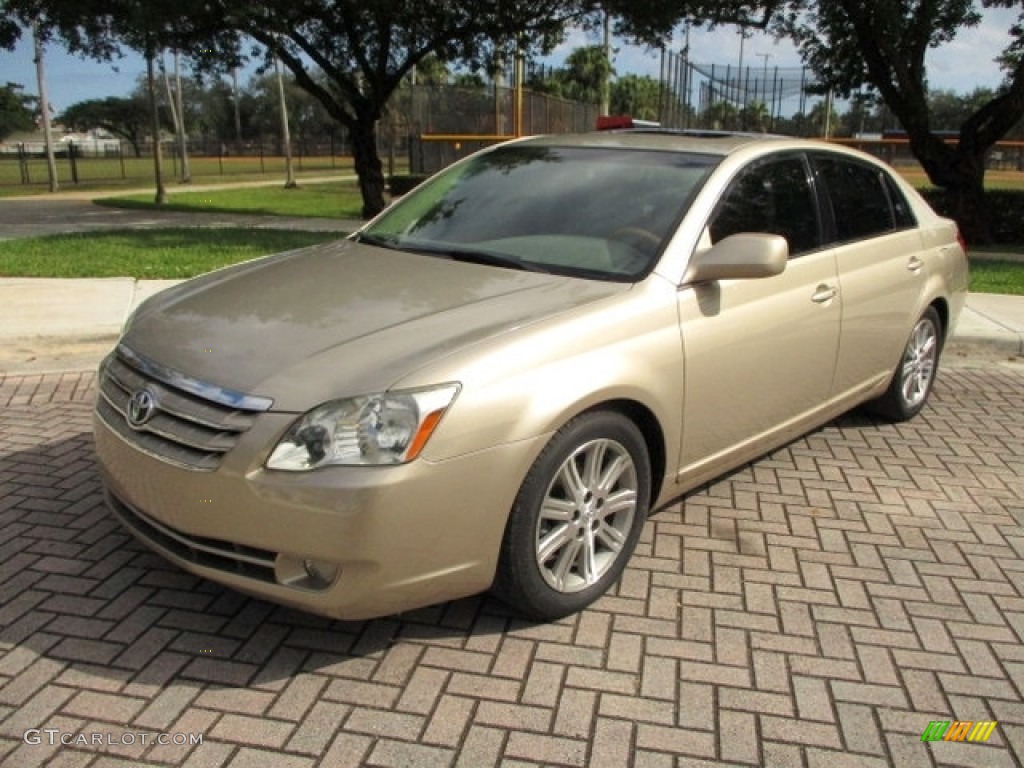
x,y
432,70
308,120
863,116
99,28
124,117
17,110
637,96
581,78
586,70
823,118
754,116
365,50
722,115
882,44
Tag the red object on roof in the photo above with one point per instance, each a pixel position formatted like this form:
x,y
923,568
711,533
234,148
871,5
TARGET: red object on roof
x,y
614,122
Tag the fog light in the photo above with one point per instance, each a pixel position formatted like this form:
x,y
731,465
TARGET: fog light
x,y
305,573
313,570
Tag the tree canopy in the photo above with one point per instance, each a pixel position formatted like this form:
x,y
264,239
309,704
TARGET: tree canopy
x,y
850,44
352,55
17,110
124,117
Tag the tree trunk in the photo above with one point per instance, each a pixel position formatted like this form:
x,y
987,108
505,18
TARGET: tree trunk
x,y
158,162
368,166
286,137
960,173
44,110
968,206
186,173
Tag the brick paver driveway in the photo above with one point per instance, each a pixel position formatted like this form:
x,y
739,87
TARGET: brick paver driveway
x,y
817,608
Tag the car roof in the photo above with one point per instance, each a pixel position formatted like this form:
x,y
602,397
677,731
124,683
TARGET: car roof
x,y
706,142
717,143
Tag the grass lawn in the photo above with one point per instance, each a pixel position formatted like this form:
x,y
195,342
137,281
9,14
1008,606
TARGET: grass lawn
x,y
334,200
993,179
997,277
186,252
146,253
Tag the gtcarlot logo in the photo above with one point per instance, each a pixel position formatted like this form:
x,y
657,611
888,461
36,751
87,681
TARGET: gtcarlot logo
x,y
55,737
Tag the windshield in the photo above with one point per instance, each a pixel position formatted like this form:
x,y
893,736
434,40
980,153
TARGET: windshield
x,y
601,213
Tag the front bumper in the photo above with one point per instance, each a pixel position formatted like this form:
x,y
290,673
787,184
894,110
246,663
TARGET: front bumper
x,y
347,542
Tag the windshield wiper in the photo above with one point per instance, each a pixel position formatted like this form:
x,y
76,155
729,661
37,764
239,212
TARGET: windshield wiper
x,y
381,241
489,258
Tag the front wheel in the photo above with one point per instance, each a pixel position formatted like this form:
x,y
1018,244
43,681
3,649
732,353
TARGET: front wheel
x,y
914,376
577,517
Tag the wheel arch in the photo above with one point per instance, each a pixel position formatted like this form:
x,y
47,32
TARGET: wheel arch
x,y
650,428
941,306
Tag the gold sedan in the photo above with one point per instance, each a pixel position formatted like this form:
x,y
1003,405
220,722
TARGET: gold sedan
x,y
492,383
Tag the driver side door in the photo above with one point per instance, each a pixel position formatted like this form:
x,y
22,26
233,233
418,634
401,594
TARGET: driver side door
x,y
759,354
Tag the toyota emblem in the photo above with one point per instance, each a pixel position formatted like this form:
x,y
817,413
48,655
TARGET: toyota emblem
x,y
141,408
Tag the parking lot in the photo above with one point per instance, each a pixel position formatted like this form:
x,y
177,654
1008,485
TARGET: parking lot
x,y
820,607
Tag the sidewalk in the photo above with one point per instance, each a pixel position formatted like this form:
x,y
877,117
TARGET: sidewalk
x,y
63,324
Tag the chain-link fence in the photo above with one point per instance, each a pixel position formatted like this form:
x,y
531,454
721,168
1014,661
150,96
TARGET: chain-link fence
x,y
445,123
735,96
426,126
116,162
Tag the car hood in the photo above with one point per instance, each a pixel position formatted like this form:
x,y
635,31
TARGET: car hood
x,y
339,319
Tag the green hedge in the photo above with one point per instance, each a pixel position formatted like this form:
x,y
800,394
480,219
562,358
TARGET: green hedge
x,y
399,185
1007,211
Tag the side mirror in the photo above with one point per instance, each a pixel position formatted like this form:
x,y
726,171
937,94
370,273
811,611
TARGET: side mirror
x,y
743,256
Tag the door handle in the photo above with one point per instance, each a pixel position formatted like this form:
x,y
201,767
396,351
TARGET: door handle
x,y
915,264
824,294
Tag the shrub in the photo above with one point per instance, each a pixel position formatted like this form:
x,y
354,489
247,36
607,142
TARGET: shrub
x,y
1004,205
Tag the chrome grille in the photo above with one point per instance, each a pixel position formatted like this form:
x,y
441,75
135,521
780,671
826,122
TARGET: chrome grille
x,y
185,428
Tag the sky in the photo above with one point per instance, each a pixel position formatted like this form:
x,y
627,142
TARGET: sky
x,y
960,66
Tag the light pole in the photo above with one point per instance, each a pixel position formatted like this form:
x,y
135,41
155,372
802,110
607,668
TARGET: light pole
x,y
764,79
739,69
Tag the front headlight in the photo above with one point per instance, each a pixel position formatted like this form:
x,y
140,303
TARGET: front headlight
x,y
388,428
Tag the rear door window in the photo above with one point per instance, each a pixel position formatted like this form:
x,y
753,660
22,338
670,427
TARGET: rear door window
x,y
865,202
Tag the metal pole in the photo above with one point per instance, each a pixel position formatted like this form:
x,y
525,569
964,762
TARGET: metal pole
x,y
238,111
739,67
661,88
44,108
286,139
606,84
186,174
687,75
777,86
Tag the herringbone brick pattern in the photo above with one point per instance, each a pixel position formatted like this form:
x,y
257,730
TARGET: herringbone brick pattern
x,y
819,607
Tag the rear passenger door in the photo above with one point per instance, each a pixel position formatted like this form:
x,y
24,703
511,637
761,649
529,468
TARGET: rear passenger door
x,y
880,263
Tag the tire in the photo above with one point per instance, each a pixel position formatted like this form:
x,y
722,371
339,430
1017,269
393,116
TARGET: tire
x,y
577,517
914,376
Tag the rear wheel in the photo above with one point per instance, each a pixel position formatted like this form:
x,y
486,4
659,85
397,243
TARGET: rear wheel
x,y
577,517
914,376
